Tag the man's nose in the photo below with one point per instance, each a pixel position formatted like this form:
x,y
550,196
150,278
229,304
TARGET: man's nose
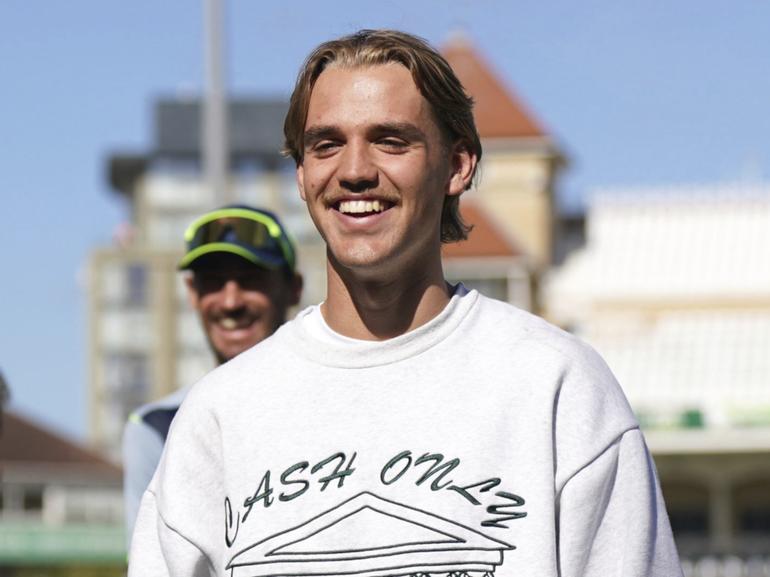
x,y
357,171
232,294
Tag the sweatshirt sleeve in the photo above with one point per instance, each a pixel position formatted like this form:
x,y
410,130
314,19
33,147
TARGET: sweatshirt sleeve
x,y
159,551
611,517
178,531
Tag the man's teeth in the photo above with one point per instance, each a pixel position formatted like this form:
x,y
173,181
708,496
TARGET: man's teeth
x,y
237,322
361,206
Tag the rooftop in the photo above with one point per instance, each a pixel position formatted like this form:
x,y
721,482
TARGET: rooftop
x,y
255,127
485,240
23,442
499,112
684,244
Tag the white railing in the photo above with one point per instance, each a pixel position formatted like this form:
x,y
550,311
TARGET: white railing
x,y
727,566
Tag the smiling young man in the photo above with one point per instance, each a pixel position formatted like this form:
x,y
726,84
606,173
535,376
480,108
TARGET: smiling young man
x,y
404,427
241,280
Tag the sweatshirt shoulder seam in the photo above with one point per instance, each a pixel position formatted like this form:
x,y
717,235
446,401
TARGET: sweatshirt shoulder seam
x,y
595,457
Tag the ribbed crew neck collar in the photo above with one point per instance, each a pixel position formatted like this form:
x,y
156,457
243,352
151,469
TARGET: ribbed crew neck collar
x,y
354,353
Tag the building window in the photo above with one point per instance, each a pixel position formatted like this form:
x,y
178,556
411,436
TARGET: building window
x,y
688,507
755,521
752,508
136,284
33,499
126,386
127,377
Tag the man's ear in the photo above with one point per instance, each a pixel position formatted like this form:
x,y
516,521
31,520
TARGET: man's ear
x,y
192,292
301,182
463,168
295,289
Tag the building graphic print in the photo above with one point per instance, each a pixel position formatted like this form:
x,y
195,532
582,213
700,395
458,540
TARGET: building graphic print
x,y
368,536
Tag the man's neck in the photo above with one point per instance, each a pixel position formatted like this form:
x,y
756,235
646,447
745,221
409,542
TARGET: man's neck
x,y
377,309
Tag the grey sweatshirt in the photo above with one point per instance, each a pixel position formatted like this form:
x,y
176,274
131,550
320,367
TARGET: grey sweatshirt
x,y
485,442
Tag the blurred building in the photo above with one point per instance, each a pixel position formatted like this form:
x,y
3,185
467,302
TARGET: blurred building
x,y
673,288
146,342
61,507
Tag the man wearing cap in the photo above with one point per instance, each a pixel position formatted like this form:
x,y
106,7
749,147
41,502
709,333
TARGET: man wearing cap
x,y
241,280
404,426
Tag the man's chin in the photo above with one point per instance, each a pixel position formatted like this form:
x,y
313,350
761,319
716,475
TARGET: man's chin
x,y
227,344
224,351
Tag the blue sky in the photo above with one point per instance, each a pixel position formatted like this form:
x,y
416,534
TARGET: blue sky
x,y
636,92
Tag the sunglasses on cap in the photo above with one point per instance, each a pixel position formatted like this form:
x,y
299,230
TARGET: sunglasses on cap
x,y
255,236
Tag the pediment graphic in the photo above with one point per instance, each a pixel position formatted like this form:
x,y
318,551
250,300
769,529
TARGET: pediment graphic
x,y
370,536
373,530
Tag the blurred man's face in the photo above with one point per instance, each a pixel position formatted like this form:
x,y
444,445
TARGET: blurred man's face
x,y
239,304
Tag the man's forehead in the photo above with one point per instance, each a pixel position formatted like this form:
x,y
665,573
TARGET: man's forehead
x,y
347,73
343,66
381,90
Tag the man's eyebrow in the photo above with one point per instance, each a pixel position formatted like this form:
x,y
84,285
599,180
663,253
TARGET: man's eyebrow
x,y
405,129
320,132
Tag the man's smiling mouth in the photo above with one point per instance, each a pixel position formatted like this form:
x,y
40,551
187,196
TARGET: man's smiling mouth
x,y
362,207
230,323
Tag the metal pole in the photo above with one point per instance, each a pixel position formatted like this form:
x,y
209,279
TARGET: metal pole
x,y
215,132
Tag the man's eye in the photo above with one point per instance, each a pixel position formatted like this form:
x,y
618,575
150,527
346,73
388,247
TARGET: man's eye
x,y
393,143
207,283
325,146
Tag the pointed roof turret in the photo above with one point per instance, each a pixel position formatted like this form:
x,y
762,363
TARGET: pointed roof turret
x,y
498,111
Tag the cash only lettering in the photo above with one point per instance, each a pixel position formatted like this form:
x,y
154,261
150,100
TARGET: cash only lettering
x,y
429,470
